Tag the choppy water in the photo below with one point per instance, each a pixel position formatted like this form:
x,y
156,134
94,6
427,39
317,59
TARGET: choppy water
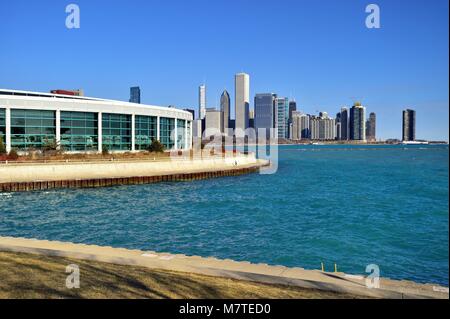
x,y
353,205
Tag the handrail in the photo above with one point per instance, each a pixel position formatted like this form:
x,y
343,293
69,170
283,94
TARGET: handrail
x,y
107,160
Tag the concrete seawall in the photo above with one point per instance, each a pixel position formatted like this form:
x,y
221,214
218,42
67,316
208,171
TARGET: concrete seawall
x,y
39,176
337,282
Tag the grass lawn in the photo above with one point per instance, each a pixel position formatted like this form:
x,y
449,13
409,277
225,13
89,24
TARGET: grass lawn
x,y
38,276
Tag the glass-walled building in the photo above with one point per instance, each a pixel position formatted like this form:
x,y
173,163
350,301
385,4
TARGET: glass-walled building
x,y
116,132
32,128
79,131
30,120
167,126
146,131
2,124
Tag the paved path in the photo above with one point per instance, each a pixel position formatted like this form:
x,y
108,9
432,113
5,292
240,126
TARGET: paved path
x,y
338,282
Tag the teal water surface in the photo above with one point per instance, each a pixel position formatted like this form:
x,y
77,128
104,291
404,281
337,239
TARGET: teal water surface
x,y
350,205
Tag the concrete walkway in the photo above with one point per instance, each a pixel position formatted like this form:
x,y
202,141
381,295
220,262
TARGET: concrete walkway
x,y
338,282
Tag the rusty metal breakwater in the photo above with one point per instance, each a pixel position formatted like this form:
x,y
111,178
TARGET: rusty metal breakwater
x,y
113,181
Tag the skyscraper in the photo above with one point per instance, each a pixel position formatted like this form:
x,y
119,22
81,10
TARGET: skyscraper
x,y
338,125
282,116
292,108
343,119
371,128
265,112
242,100
135,94
358,122
409,125
202,101
213,122
305,126
225,109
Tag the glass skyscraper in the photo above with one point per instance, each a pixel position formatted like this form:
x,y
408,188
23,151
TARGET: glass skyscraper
x,y
225,109
282,116
265,112
135,94
409,125
358,122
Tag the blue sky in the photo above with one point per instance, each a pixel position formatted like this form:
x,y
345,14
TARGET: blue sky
x,y
318,52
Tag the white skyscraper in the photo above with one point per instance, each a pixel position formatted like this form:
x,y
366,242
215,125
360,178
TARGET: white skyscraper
x,y
242,100
202,101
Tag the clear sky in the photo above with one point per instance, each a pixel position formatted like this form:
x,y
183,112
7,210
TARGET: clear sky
x,y
316,51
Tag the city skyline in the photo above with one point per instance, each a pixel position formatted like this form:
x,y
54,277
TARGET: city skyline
x,y
386,69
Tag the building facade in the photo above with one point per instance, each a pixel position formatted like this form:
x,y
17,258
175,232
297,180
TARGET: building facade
x,y
265,112
213,122
242,100
202,101
225,104
292,108
323,128
135,94
357,125
30,120
371,127
409,125
282,117
344,126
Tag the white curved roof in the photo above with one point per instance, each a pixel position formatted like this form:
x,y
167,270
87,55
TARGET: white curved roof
x,y
50,101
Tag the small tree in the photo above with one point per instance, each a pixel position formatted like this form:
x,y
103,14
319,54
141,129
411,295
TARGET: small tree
x,y
51,147
2,146
105,150
13,156
156,147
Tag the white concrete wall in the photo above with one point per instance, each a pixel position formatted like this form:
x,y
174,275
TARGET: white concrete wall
x,y
11,173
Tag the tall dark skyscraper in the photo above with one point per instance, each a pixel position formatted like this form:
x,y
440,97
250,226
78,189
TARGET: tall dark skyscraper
x,y
371,128
409,125
343,119
135,94
358,122
292,108
265,111
225,109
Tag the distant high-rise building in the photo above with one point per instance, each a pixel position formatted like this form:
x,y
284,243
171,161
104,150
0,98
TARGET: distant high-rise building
x,y
409,125
314,127
292,108
322,127
213,122
296,125
202,101
338,126
225,109
371,128
135,94
282,116
265,112
358,122
343,120
305,126
242,100
251,118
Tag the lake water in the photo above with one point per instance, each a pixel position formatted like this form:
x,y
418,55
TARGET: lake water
x,y
350,205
